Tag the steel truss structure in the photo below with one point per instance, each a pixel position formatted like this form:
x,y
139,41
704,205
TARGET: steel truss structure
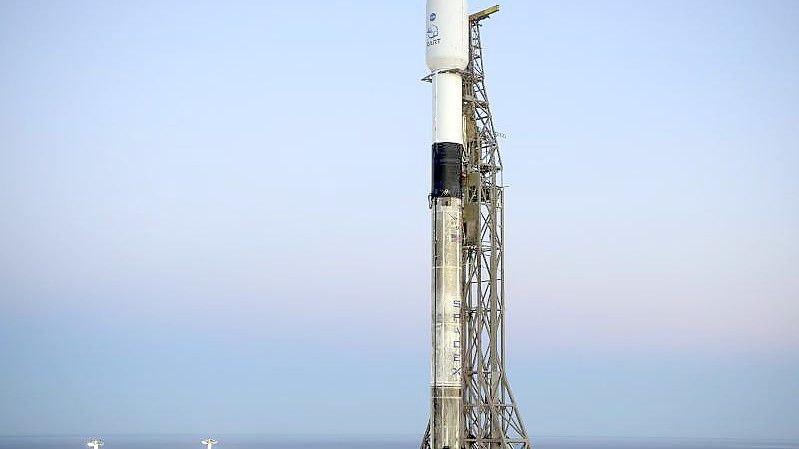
x,y
491,418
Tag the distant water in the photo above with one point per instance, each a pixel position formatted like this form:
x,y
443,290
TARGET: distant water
x,y
316,442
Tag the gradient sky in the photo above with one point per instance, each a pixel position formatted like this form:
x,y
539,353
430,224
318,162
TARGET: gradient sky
x,y
213,216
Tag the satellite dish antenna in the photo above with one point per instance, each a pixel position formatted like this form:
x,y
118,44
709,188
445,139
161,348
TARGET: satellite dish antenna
x,y
95,443
209,443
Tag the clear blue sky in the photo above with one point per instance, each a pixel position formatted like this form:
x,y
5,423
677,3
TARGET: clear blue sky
x,y
213,216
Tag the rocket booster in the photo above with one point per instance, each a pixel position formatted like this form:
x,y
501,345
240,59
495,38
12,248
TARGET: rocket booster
x,y
447,54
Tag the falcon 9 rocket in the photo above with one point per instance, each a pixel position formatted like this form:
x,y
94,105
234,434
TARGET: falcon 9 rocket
x,y
447,56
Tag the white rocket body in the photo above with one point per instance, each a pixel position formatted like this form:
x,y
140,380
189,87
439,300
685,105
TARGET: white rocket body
x,y
447,54
447,50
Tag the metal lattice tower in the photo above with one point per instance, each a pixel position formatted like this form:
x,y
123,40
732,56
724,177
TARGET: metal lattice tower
x,y
491,418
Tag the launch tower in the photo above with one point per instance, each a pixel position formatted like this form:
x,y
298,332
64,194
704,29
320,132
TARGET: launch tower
x,y
490,418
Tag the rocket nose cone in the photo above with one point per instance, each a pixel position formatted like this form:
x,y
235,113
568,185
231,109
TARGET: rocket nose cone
x,y
447,45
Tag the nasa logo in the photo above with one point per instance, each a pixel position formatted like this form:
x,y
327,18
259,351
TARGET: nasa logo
x,y
432,16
